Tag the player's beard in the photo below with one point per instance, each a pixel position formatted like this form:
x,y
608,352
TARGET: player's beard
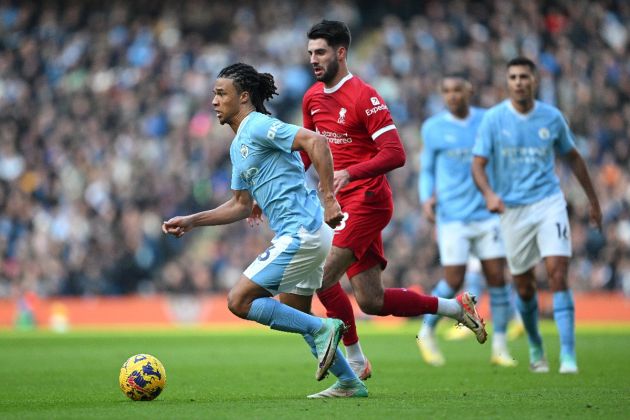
x,y
331,72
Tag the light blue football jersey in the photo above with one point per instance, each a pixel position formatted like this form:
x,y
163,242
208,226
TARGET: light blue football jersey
x,y
445,167
522,150
264,165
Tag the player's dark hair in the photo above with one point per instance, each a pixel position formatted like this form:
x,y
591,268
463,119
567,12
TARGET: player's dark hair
x,y
522,61
261,86
335,32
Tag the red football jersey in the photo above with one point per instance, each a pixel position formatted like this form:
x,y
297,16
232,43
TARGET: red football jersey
x,y
351,115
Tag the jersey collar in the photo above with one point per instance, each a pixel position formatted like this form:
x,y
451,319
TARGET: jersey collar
x,y
338,85
240,127
521,115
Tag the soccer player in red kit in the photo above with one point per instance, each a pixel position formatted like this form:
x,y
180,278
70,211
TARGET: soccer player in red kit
x,y
365,145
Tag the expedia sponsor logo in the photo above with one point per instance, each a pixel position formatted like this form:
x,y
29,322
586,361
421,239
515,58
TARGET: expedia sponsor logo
x,y
374,110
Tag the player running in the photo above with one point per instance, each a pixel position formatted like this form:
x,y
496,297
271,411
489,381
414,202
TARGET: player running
x,y
365,145
267,167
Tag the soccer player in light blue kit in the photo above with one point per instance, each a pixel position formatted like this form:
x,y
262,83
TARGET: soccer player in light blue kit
x,y
464,226
520,138
267,168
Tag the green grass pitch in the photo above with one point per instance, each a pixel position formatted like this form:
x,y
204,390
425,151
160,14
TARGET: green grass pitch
x,y
264,374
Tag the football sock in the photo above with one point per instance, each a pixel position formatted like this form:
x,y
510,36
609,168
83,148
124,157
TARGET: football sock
x,y
443,290
340,367
338,305
499,342
474,284
449,308
499,308
279,316
407,303
529,313
564,314
354,353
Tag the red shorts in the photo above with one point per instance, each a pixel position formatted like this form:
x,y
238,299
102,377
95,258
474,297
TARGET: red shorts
x,y
365,216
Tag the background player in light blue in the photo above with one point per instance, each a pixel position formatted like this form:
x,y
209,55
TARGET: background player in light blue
x,y
519,138
267,168
464,226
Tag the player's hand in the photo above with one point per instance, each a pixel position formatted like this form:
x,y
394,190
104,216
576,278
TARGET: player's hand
x,y
494,203
340,180
596,215
256,217
428,207
332,212
177,226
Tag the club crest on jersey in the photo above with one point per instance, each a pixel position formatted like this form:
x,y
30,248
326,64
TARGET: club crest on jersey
x,y
342,116
543,133
244,151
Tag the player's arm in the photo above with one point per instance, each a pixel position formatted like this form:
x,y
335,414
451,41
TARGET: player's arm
x,y
236,208
493,201
426,183
307,122
316,148
579,169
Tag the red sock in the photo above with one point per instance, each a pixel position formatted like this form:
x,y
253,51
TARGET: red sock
x,y
404,302
338,305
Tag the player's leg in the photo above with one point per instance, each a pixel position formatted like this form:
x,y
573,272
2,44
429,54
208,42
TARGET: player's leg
x,y
348,384
445,288
338,305
554,240
375,300
500,308
519,227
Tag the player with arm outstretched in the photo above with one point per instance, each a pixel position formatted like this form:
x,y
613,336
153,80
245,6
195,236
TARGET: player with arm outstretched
x,y
267,167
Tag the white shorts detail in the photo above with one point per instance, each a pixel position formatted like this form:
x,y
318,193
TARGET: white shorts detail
x,y
458,240
293,263
535,231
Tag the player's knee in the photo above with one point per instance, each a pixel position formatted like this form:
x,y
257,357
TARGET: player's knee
x,y
370,305
237,305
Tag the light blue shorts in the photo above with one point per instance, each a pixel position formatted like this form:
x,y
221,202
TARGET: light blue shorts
x,y
293,263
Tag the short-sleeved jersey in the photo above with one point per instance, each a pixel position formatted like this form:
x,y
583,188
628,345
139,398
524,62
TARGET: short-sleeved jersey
x,y
351,115
445,167
264,165
521,148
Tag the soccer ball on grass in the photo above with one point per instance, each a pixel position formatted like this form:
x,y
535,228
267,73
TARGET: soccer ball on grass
x,y
142,377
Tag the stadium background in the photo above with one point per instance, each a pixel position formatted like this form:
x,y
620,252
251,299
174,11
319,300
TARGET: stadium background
x,y
106,130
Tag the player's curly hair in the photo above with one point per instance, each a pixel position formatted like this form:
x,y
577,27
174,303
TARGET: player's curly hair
x,y
261,86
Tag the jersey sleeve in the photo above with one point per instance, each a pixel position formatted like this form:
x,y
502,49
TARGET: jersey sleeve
x,y
275,134
373,112
565,141
426,183
483,141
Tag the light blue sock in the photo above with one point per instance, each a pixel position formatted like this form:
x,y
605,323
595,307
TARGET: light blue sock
x,y
278,316
443,290
564,314
475,284
500,307
529,314
340,367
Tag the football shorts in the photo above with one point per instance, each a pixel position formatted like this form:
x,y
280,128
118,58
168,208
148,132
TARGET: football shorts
x,y
535,231
360,230
293,263
458,240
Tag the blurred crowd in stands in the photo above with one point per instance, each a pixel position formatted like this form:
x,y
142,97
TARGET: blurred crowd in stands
x,y
106,127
